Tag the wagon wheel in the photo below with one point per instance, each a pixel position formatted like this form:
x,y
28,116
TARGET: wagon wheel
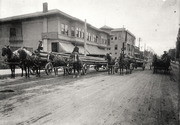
x,y
84,69
32,71
143,67
69,70
48,68
96,68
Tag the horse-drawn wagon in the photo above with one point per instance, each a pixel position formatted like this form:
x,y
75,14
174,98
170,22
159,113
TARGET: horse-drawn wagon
x,y
53,60
161,64
139,63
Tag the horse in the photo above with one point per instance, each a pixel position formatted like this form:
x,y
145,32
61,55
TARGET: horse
x,y
26,60
76,63
58,60
125,63
111,63
12,59
161,64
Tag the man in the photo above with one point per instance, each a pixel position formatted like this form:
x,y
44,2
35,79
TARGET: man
x,y
164,55
40,46
76,49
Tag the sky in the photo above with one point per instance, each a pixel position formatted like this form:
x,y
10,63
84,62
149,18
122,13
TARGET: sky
x,y
155,22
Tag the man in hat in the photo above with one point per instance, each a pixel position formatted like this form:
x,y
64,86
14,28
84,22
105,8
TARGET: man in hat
x,y
164,55
76,49
40,46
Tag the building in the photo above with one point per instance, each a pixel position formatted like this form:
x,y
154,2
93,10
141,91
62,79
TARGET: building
x,y
59,32
120,37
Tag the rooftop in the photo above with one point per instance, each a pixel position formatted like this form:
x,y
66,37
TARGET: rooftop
x,y
45,14
122,29
106,27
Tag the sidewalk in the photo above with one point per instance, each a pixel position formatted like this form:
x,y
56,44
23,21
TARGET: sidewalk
x,y
7,73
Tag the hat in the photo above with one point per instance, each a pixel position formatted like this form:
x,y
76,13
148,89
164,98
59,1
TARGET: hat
x,y
40,40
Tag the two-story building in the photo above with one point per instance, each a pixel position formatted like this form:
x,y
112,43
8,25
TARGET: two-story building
x,y
120,37
59,31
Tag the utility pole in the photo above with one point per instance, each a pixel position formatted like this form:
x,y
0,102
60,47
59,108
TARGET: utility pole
x,y
85,38
139,43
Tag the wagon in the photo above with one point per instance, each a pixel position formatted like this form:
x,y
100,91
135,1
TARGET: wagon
x,y
48,64
88,61
44,63
139,63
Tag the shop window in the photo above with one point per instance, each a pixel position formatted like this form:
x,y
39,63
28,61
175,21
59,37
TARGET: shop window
x,y
54,47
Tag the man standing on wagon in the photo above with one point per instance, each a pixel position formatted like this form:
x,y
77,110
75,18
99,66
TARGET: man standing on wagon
x,y
40,46
76,49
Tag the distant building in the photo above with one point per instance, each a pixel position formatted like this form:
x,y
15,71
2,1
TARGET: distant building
x,y
58,30
120,36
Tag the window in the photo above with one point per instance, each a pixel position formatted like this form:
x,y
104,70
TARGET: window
x,y
115,38
66,29
111,38
54,47
108,42
116,47
12,32
96,39
72,31
77,32
115,53
82,34
62,29
89,35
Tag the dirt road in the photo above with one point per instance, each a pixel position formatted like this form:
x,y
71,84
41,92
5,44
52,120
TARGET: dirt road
x,y
140,98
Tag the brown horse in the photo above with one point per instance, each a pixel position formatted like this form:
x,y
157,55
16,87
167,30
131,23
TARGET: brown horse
x,y
76,63
161,64
26,60
12,59
111,63
125,63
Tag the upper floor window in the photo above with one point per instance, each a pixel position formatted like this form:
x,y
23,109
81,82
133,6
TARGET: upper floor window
x,y
12,32
88,38
116,47
111,38
96,39
62,28
77,32
82,34
66,29
108,42
72,31
115,38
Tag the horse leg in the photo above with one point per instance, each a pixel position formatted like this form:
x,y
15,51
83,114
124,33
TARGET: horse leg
x,y
22,71
13,68
28,71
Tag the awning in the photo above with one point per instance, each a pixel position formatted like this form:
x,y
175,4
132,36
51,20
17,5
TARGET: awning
x,y
66,47
94,50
